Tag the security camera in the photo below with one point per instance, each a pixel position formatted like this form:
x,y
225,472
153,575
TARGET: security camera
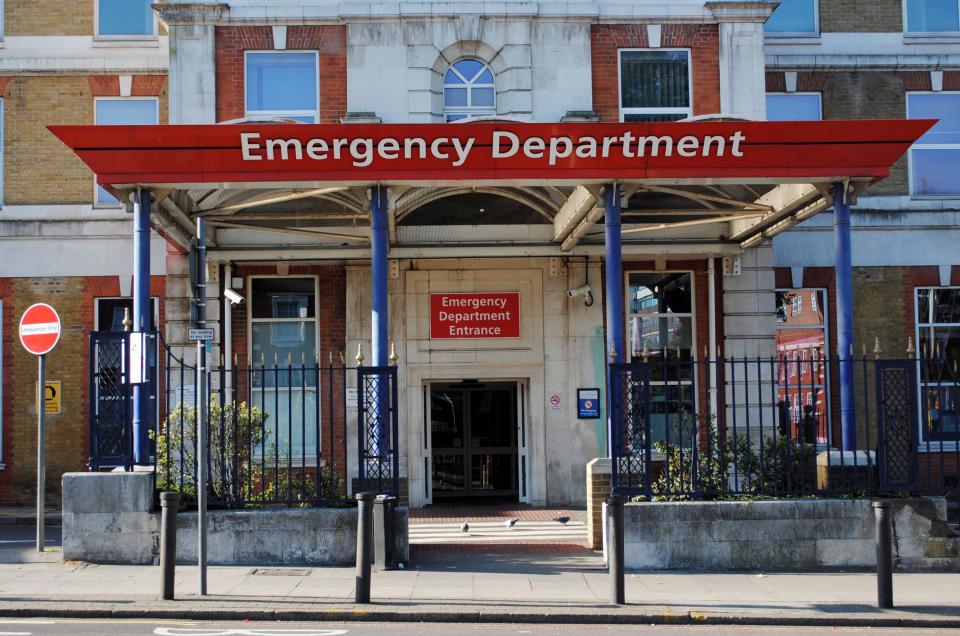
x,y
579,291
233,297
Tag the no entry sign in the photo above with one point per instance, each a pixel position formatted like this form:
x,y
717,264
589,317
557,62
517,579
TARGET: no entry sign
x,y
39,329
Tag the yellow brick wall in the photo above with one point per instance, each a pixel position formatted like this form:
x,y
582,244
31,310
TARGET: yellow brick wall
x,y
57,17
37,167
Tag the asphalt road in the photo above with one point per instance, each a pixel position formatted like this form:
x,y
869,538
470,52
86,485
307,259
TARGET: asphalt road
x,y
40,627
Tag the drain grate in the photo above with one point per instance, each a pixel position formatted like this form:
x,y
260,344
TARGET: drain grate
x,y
281,572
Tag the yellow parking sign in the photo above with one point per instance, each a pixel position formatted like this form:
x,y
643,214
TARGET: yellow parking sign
x,y
51,397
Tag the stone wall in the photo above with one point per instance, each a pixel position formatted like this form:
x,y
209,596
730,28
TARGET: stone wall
x,y
111,518
803,534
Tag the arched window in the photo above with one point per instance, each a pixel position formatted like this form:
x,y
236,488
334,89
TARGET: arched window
x,y
468,90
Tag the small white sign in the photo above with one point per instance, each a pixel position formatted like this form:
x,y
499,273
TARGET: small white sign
x,y
353,397
554,401
138,357
200,334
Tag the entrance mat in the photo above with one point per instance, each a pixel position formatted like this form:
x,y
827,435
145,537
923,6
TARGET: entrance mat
x,y
419,551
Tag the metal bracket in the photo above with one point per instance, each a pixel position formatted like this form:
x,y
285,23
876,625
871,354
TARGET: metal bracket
x,y
731,265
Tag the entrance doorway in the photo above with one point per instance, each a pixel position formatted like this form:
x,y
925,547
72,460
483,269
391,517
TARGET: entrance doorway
x,y
475,428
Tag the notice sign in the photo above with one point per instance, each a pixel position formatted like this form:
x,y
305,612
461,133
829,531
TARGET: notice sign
x,y
588,404
482,315
51,397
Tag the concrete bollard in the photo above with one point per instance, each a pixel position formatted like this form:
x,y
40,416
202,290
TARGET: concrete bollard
x,y
169,502
364,547
384,533
615,553
881,511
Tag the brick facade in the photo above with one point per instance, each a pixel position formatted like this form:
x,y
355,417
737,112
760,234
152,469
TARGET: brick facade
x,y
861,16
329,41
702,40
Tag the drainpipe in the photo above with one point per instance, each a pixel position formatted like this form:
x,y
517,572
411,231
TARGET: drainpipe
x,y
227,334
712,338
844,276
614,285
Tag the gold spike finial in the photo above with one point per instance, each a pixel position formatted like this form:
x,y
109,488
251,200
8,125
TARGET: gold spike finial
x,y
613,353
359,357
876,347
127,322
911,351
645,354
393,357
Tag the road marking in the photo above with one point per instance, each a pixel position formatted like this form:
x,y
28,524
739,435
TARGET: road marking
x,y
245,631
15,633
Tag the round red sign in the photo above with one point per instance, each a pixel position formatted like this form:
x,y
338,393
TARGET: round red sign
x,y
39,329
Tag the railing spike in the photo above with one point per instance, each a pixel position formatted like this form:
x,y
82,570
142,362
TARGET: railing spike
x,y
613,353
393,357
330,357
303,358
864,349
876,348
236,360
276,358
359,357
343,360
262,360
910,350
645,354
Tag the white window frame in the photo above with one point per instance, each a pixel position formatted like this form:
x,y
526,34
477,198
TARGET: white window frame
x,y
96,100
469,111
817,94
121,37
301,457
931,446
951,35
778,35
288,113
685,111
923,146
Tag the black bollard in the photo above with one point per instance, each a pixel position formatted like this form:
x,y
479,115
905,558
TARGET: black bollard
x,y
364,545
615,549
169,502
881,512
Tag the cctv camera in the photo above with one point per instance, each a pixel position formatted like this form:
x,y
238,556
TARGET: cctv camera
x,y
233,296
579,291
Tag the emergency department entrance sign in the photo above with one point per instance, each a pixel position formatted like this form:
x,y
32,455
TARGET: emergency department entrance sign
x,y
39,329
482,315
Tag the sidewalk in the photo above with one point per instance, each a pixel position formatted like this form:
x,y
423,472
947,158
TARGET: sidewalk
x,y
503,583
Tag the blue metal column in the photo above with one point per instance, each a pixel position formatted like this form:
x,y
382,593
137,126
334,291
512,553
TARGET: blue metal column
x,y
141,319
379,316
614,293
844,274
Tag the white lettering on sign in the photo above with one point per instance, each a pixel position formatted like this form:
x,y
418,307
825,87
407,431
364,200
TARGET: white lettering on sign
x,y
39,328
363,151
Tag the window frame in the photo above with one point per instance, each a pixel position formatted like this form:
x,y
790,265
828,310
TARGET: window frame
x,y
122,37
96,100
952,35
818,94
644,110
776,35
918,145
289,113
929,445
468,112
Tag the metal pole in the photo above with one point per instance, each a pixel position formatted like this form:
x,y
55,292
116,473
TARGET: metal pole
x,y
614,290
202,403
881,511
615,549
712,337
364,536
169,501
41,466
141,319
844,275
379,313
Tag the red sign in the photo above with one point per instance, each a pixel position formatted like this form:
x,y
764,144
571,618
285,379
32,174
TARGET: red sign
x,y
437,154
39,329
483,315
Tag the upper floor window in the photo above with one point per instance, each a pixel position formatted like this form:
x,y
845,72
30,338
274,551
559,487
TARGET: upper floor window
x,y
283,84
793,17
935,156
114,111
932,16
654,85
125,19
793,107
468,90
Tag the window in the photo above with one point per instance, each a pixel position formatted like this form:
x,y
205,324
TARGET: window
x,y
793,107
935,156
122,111
125,19
660,321
468,90
283,85
654,85
283,339
932,16
938,339
803,373
111,311
792,18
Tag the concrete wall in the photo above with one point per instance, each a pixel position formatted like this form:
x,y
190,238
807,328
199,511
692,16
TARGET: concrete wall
x,y
784,535
110,518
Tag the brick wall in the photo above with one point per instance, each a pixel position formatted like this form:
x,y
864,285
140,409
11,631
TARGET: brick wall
x,y
861,16
598,489
330,41
703,40
67,438
34,160
58,17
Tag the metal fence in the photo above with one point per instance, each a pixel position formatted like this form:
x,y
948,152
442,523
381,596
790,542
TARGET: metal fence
x,y
773,426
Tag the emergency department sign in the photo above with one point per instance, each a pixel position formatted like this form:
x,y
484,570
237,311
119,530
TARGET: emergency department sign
x,y
480,315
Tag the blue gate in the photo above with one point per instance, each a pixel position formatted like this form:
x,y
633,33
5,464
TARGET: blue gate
x,y
630,435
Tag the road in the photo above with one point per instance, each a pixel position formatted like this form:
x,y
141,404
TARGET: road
x,y
40,627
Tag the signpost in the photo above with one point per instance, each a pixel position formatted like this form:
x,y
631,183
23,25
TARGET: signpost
x,y
39,334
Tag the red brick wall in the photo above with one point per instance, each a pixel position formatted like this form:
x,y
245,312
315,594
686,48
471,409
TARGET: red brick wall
x,y
701,39
330,41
